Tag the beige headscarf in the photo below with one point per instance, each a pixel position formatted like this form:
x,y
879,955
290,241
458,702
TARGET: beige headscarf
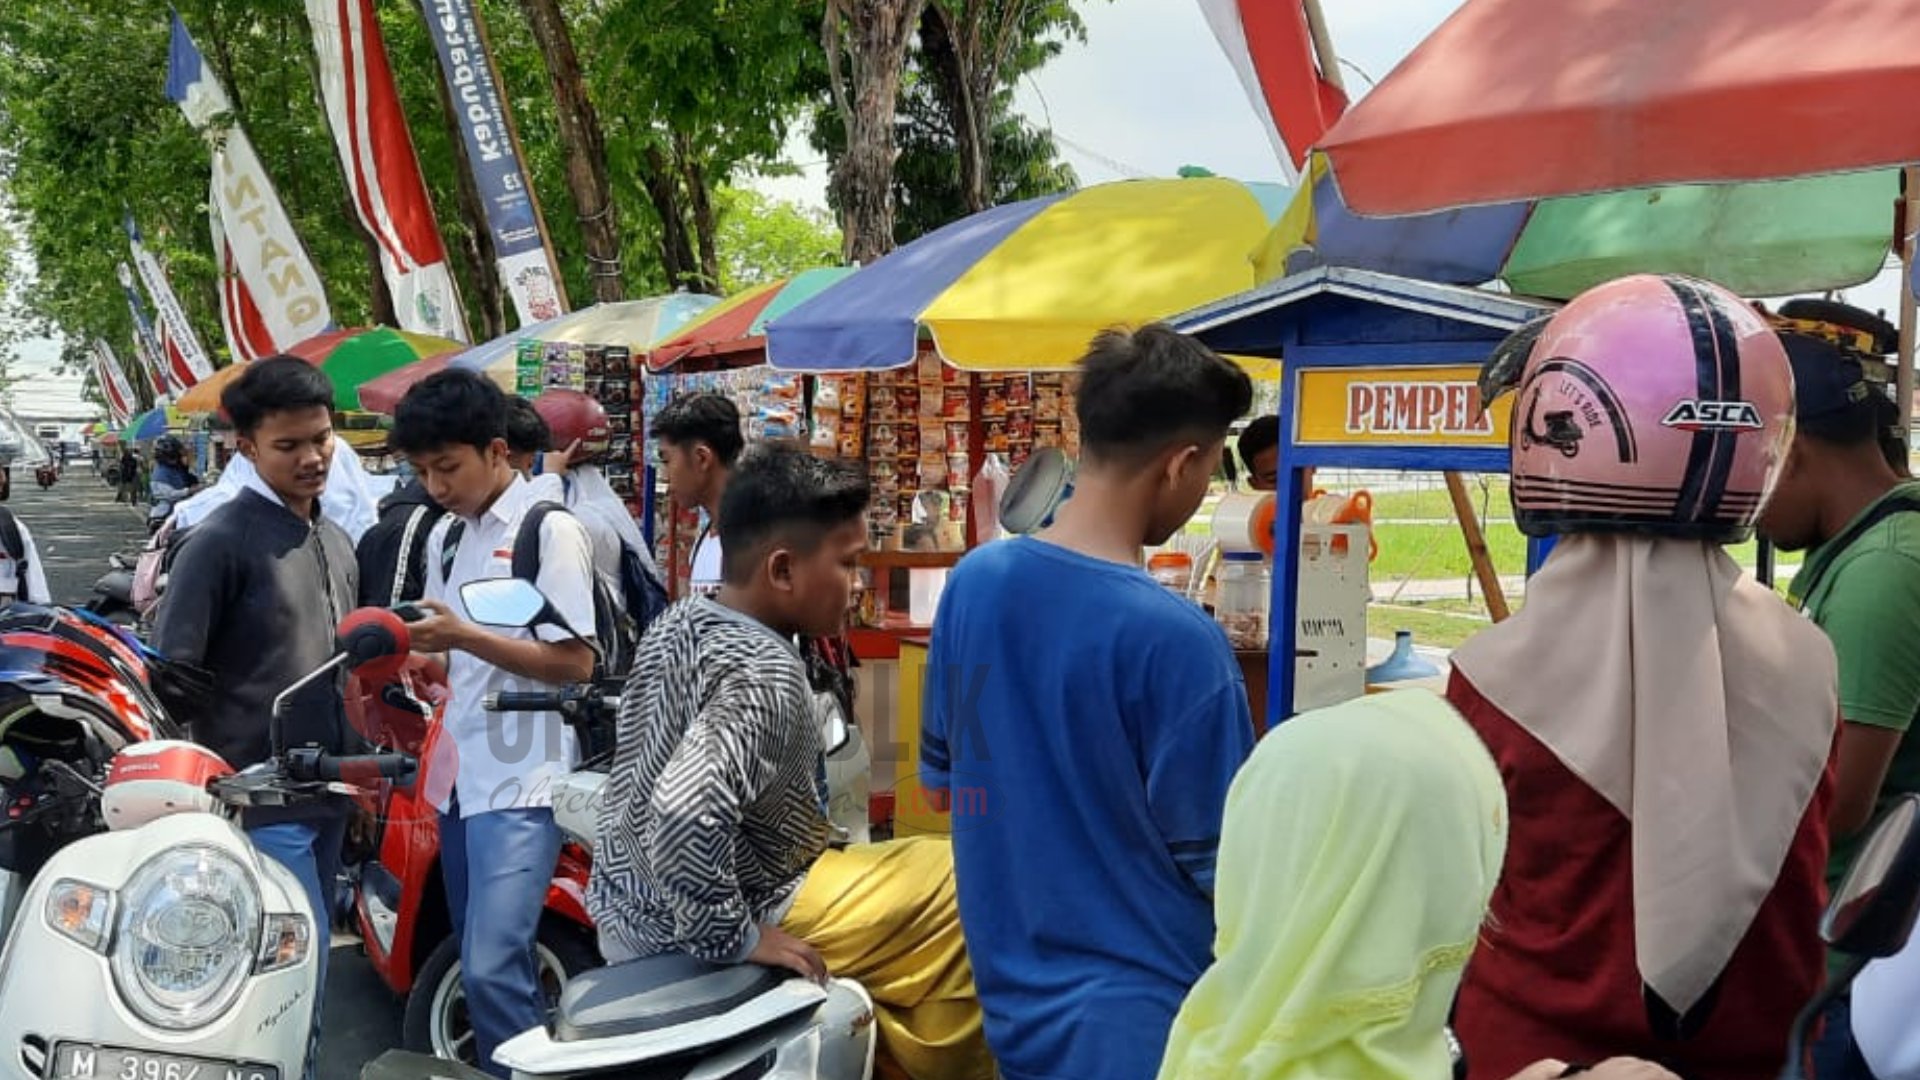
x,y
1360,846
1693,700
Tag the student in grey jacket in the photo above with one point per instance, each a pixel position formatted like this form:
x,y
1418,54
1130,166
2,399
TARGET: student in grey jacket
x,y
253,599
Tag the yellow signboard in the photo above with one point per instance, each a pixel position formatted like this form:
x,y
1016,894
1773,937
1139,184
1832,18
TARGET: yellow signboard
x,y
1398,406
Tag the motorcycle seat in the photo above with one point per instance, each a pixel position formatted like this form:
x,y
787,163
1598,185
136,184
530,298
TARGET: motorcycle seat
x,y
655,993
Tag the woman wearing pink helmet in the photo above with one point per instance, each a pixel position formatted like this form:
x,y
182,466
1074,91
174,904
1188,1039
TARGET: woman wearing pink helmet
x,y
1662,723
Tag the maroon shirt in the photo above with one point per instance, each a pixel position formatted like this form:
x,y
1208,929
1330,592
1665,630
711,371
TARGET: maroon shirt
x,y
1554,975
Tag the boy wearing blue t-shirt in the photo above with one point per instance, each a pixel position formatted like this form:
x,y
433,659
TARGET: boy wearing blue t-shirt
x,y
1084,724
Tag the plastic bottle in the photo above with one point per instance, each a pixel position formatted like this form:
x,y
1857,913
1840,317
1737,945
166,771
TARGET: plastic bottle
x,y
1174,569
1242,589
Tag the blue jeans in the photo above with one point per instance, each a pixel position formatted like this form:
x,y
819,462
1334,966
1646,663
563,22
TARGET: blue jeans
x,y
1835,1055
311,849
495,901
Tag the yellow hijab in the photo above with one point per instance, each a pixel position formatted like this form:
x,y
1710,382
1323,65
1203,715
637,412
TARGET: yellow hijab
x,y
1360,848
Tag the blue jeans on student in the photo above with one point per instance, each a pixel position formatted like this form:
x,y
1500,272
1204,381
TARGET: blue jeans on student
x,y
1835,1055
495,899
311,849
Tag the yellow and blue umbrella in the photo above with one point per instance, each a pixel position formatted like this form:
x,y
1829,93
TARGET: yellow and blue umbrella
x,y
1026,286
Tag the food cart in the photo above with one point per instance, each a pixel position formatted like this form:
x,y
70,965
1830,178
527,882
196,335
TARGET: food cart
x,y
1379,372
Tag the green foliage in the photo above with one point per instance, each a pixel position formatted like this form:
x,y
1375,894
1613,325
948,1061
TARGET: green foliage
x,y
764,240
1023,161
86,131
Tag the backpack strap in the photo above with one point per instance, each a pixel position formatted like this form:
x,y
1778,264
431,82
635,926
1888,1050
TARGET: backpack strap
x,y
455,530
526,541
1899,503
403,566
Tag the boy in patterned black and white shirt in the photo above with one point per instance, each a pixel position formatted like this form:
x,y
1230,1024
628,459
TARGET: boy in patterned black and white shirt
x,y
712,839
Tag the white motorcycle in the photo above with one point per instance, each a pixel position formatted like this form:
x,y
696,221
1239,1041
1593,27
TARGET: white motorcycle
x,y
169,948
672,1017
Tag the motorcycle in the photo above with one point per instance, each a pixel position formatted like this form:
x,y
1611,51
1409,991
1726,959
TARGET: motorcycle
x,y
113,593
669,1015
181,952
45,474
78,693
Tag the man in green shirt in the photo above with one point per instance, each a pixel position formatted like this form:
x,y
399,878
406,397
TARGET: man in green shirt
x,y
1840,499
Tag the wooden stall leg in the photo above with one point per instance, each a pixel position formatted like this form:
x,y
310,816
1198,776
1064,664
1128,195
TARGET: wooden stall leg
x,y
1483,567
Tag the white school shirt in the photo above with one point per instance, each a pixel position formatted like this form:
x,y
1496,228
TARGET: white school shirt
x,y
37,591
507,760
703,579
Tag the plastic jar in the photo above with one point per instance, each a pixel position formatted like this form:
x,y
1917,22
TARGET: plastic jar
x,y
1174,569
1242,587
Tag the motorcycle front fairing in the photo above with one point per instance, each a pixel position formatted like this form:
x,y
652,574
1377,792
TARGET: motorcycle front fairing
x,y
57,989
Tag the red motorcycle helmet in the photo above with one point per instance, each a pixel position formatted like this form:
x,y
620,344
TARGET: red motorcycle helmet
x,y
49,654
572,416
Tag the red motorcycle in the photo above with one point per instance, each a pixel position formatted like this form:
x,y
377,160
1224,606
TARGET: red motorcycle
x,y
400,900
46,473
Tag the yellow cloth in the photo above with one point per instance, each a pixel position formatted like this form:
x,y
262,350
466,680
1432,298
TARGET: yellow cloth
x,y
1360,847
886,916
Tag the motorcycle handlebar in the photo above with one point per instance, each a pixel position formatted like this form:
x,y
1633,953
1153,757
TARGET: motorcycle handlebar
x,y
526,701
361,767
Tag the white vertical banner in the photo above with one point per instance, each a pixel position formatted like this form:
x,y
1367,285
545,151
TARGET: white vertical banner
x,y
383,174
271,270
183,359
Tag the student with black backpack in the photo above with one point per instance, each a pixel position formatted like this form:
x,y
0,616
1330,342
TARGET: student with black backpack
x,y
22,576
498,840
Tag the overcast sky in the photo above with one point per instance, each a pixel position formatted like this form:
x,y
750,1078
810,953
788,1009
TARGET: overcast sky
x,y
1150,92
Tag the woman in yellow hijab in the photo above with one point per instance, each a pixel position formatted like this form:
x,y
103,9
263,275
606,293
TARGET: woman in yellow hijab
x,y
1360,847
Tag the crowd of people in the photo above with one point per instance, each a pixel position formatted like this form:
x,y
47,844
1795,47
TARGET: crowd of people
x,y
1604,851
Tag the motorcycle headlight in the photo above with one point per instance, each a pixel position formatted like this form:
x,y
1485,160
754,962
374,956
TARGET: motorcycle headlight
x,y
188,936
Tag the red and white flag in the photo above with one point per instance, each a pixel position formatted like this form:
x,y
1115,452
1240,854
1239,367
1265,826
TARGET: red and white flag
x,y
383,174
1270,45
113,382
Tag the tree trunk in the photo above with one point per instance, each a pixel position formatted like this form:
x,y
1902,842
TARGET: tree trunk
x,y
873,36
942,51
676,252
700,201
585,146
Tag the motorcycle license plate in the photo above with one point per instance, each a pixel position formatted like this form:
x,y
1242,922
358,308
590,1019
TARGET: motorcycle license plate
x,y
78,1061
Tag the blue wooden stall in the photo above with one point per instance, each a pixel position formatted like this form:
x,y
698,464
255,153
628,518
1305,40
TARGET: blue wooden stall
x,y
1378,373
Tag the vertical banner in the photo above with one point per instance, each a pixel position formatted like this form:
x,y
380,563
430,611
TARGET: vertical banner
x,y
185,361
273,282
113,383
146,343
526,267
382,171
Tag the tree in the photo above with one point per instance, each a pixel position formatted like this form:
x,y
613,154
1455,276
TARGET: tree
x,y
1020,161
866,46
694,92
970,53
762,240
585,146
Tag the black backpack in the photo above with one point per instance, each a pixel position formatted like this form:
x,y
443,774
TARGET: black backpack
x,y
612,630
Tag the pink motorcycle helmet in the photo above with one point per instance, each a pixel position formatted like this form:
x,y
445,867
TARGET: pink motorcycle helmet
x,y
1652,404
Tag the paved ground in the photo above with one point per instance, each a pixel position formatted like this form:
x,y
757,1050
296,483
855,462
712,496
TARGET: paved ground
x,y
76,525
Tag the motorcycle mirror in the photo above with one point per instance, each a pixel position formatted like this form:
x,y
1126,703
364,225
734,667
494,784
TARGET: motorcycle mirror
x,y
834,731
369,634
1874,909
505,601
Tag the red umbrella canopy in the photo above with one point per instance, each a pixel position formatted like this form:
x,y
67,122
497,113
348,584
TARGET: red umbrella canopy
x,y
1523,99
